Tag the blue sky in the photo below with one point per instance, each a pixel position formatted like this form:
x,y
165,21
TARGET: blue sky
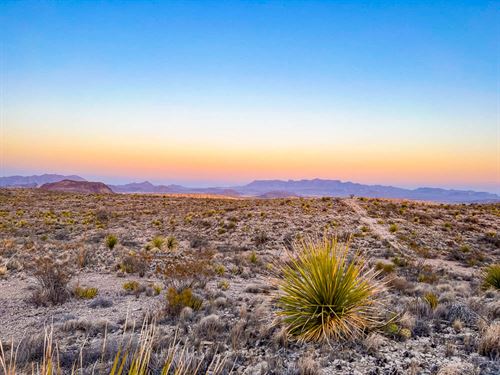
x,y
405,93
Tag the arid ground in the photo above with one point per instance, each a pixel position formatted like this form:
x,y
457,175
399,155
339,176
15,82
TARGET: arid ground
x,y
124,258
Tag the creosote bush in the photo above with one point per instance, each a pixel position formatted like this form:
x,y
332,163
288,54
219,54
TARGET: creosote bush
x,y
327,292
492,276
53,276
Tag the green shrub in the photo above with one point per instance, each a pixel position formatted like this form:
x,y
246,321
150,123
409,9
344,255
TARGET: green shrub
x,y
111,241
157,289
392,329
85,293
223,284
385,267
220,269
178,299
252,258
431,299
328,293
131,286
400,261
491,276
393,228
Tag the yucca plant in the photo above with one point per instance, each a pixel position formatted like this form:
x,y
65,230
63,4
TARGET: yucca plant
x,y
328,293
158,242
172,243
111,241
491,276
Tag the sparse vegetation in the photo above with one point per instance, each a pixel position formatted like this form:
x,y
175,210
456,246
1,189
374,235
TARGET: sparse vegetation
x,y
436,307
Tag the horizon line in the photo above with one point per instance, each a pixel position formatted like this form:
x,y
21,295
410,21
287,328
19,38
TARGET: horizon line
x,y
222,184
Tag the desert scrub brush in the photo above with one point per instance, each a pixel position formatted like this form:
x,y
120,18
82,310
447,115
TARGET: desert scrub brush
x,y
328,293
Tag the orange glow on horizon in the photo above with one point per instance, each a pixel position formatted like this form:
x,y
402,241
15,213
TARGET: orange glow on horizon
x,y
142,159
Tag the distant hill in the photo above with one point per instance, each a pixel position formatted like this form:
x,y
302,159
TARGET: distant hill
x,y
78,187
278,189
277,194
148,187
336,188
35,181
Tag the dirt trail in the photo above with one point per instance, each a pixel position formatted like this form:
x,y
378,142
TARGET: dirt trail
x,y
384,234
379,229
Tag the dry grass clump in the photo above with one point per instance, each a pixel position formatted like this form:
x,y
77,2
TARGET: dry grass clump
x,y
373,342
308,366
53,275
85,293
489,345
385,267
135,355
431,299
457,369
491,276
327,292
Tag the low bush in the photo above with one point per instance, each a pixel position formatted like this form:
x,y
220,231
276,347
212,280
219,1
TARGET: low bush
x,y
385,267
178,298
131,286
85,293
136,263
53,276
489,344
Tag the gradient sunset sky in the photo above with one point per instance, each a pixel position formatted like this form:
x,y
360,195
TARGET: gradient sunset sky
x,y
224,92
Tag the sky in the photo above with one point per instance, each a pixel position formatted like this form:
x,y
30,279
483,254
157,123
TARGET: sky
x,y
405,93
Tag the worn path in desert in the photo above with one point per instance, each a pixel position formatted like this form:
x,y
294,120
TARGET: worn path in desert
x,y
384,234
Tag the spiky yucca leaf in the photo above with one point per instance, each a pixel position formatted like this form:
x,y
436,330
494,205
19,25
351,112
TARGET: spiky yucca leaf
x,y
327,293
492,276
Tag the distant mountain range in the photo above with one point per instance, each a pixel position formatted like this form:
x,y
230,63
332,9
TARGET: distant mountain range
x,y
278,188
35,181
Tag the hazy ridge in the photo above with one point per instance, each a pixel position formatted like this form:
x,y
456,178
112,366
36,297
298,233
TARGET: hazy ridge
x,y
276,188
